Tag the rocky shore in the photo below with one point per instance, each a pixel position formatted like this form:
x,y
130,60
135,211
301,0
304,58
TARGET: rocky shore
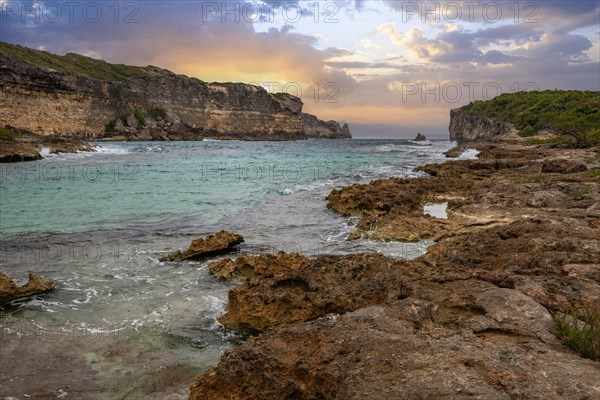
x,y
469,319
26,147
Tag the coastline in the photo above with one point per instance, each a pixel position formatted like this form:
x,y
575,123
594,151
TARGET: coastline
x,y
468,318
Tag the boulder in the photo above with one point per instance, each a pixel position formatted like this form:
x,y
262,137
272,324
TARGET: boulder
x,y
455,152
132,121
9,290
218,243
575,168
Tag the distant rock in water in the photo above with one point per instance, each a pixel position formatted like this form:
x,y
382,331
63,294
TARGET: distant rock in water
x,y
420,138
9,290
93,99
218,243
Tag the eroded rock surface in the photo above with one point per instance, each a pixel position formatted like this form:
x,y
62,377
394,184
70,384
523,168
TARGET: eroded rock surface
x,y
211,245
463,339
9,290
469,319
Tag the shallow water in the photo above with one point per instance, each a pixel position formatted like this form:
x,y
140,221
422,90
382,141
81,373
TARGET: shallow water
x,y
123,324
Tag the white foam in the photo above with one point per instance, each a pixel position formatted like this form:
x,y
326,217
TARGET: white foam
x,y
469,154
436,210
111,149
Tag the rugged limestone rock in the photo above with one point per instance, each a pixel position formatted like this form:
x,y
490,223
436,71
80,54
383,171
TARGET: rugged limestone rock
x,y
420,137
9,290
211,245
468,319
293,288
48,102
455,152
27,147
562,166
463,339
465,127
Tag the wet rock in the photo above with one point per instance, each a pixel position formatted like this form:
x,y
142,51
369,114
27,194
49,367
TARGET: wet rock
x,y
218,243
27,147
9,290
246,266
455,152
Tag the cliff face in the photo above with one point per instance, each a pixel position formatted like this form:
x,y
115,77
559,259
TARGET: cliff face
x,y
465,127
47,102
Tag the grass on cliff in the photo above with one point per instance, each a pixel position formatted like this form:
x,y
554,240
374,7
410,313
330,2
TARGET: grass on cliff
x,y
6,133
75,63
580,334
572,114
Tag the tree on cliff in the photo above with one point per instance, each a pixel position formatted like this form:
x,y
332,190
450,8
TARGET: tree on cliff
x,y
584,129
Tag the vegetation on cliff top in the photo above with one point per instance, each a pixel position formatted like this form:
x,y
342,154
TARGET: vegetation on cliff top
x,y
572,113
77,63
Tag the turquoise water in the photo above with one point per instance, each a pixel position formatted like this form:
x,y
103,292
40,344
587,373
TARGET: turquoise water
x,y
130,325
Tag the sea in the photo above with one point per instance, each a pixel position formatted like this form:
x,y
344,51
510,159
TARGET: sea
x,y
122,323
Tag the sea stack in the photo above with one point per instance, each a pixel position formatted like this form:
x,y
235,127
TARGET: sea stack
x,y
420,137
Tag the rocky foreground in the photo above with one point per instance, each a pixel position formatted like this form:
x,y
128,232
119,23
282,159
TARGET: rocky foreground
x,y
469,319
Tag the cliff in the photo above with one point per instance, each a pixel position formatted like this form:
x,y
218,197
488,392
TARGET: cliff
x,y
465,127
73,95
572,115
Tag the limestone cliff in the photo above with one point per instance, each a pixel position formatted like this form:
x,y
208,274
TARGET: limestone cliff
x,y
465,127
47,100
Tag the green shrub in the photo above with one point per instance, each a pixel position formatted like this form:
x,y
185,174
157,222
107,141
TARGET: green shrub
x,y
140,117
157,112
527,131
581,335
110,127
582,192
77,63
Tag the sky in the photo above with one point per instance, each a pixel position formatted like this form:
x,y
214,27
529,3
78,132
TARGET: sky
x,y
387,68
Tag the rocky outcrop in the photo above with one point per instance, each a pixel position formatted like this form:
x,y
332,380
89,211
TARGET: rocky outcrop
x,y
420,137
219,243
48,102
457,340
469,319
9,290
28,148
465,127
455,152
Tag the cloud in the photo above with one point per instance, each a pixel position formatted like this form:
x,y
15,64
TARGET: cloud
x,y
370,70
